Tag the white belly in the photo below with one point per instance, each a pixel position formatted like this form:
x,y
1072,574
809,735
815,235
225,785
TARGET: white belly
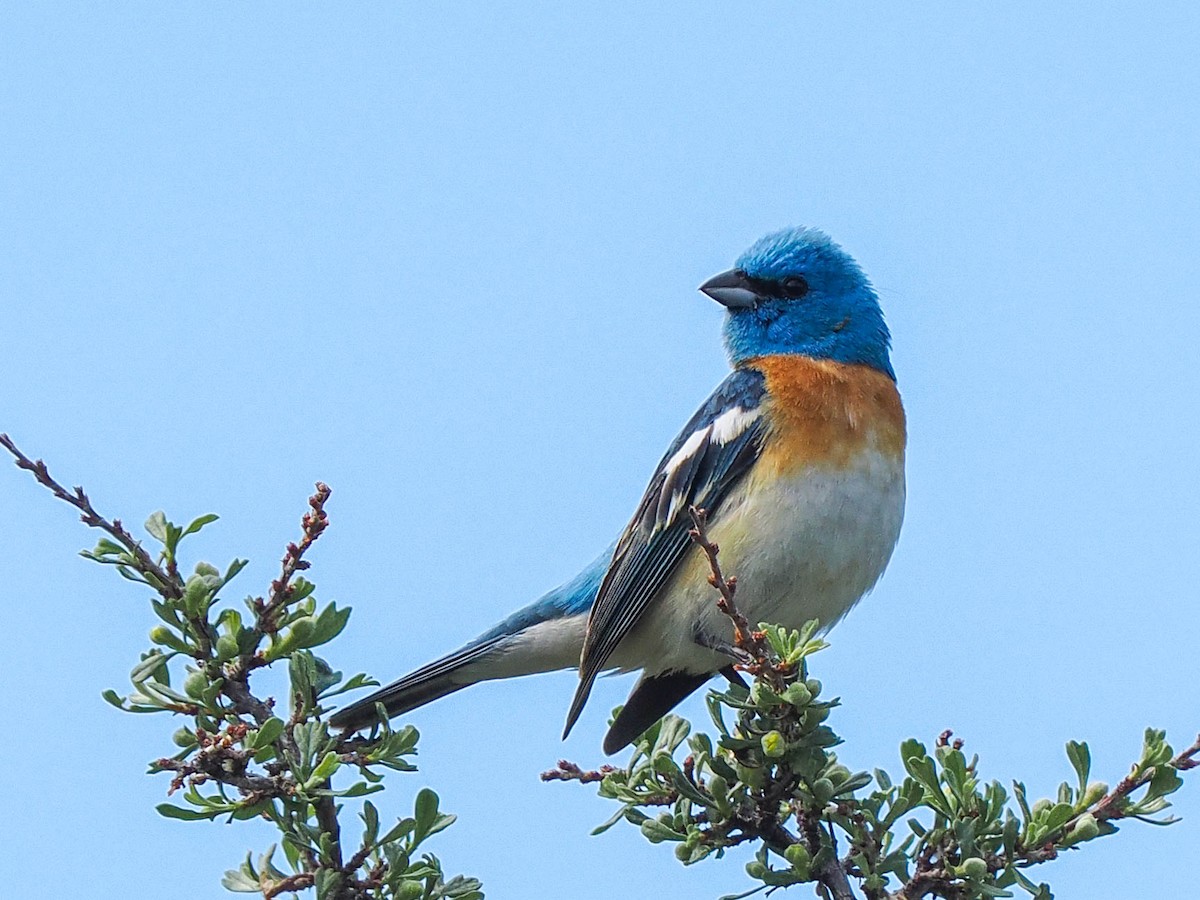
x,y
805,546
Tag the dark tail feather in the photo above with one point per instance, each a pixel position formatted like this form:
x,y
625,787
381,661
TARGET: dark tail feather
x,y
651,699
395,700
426,684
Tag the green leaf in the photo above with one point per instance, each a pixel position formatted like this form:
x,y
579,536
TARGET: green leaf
x,y
234,567
156,526
657,830
370,817
852,784
329,625
243,880
686,789
327,883
187,815
983,889
616,817
428,820
199,523
1081,760
359,789
149,666
353,683
325,768
399,830
1164,781
174,533
268,732
120,703
1059,815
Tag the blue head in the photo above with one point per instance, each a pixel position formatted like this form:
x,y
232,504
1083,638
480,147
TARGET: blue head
x,y
796,291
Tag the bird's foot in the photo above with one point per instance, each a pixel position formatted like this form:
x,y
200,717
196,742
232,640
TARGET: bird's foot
x,y
739,656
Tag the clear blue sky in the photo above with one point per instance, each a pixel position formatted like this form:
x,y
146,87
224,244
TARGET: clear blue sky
x,y
445,260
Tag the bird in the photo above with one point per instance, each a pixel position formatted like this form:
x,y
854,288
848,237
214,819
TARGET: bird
x,y
797,457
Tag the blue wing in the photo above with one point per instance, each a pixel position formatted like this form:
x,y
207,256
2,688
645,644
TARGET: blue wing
x,y
714,450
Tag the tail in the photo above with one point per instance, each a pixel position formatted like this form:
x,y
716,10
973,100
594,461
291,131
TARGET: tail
x,y
543,636
443,676
652,698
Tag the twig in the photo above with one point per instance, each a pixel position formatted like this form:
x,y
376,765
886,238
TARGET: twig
x,y
296,882
144,563
931,878
832,876
312,526
568,771
745,637
1108,806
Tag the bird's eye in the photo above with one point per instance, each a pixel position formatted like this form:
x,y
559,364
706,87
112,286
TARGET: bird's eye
x,y
795,286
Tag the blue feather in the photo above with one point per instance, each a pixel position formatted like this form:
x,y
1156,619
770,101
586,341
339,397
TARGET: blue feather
x,y
572,598
838,319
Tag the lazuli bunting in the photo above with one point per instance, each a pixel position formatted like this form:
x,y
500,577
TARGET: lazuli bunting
x,y
798,457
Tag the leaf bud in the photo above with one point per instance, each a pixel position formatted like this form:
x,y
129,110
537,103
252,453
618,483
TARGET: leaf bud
x,y
164,636
798,856
798,694
195,594
973,867
195,684
773,744
1085,829
822,790
227,647
1095,791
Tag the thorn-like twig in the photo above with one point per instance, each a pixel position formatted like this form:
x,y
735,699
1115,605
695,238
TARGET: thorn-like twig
x,y
145,564
744,636
312,526
568,771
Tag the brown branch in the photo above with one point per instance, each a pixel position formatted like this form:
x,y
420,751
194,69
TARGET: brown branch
x,y
312,526
931,878
296,882
767,825
1108,807
744,636
568,771
143,562
833,878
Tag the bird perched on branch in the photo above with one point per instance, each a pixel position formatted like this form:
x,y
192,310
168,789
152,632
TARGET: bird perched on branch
x,y
798,458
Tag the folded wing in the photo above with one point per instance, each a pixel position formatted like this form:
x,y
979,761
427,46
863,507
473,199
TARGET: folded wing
x,y
714,450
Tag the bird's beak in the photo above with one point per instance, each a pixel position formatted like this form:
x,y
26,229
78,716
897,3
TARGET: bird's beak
x,y
731,289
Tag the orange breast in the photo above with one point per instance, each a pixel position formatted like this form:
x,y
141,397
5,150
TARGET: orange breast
x,y
825,413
